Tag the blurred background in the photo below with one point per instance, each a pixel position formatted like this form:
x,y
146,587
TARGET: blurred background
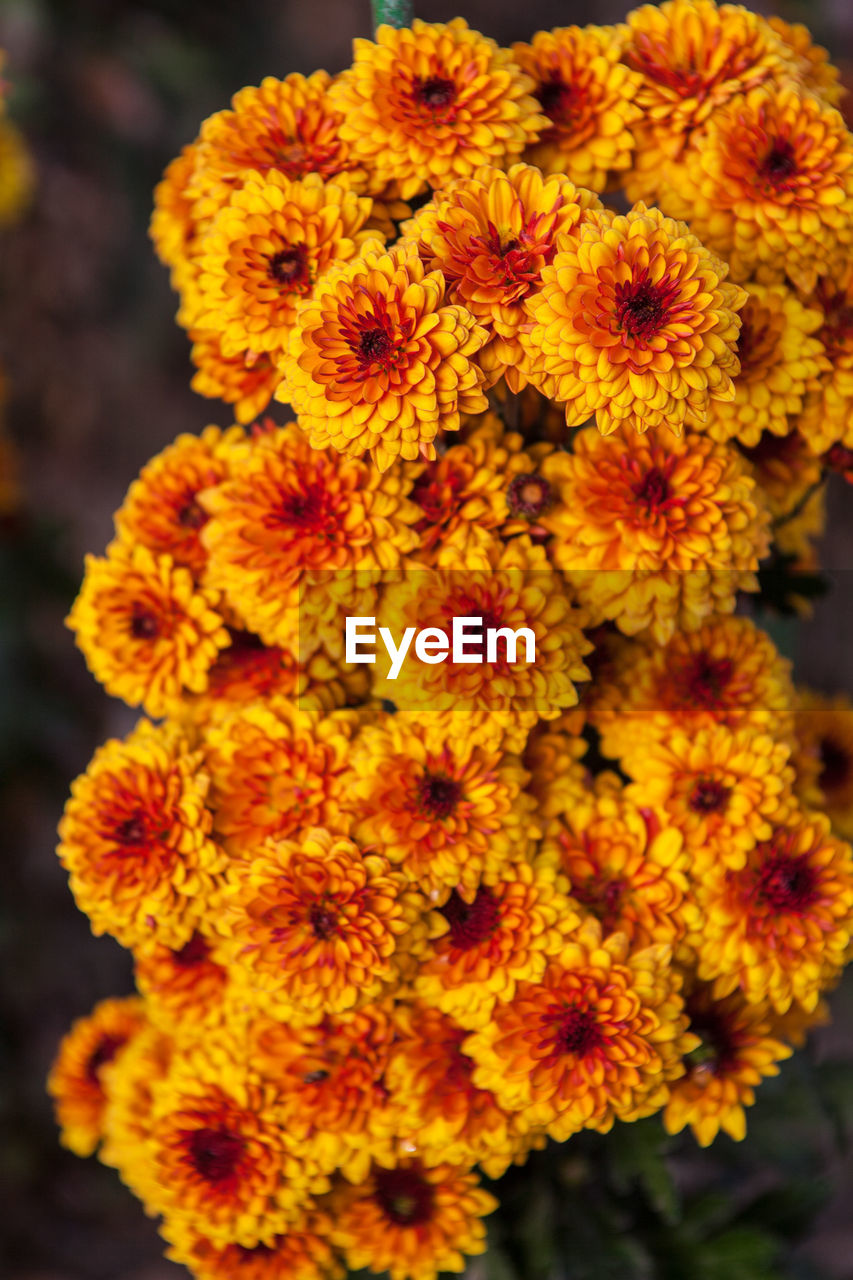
x,y
106,92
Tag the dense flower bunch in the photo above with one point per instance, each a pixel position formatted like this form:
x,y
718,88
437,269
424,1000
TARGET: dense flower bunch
x,y
394,929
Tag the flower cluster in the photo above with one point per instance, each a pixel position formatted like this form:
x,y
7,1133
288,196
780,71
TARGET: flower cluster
x,y
394,929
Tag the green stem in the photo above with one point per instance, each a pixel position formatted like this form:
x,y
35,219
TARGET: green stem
x,y
395,13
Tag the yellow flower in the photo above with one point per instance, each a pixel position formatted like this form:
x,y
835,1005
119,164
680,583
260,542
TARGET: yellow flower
x,y
814,69
128,1080
827,416
184,987
380,361
245,382
433,102
634,323
173,226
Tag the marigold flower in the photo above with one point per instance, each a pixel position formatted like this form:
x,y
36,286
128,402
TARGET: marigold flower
x,y
411,1221
779,928
727,672
490,235
75,1081
146,630
598,1038
814,69
380,361
481,945
292,527
431,102
824,754
135,840
654,532
313,924
634,323
444,814
621,864
245,382
737,1048
590,99
828,411
300,1254
184,987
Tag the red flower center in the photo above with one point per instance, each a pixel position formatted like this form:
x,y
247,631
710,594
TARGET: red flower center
x,y
563,103
578,1033
404,1195
374,345
642,308
191,953
306,508
436,93
471,922
191,515
787,884
143,623
105,1050
438,795
835,765
289,266
779,164
529,495
132,830
708,679
653,489
215,1153
708,796
324,921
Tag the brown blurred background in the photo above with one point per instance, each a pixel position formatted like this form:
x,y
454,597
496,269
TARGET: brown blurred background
x,y
107,91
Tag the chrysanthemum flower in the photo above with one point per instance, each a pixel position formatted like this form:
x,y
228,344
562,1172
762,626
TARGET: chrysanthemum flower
x,y
824,736
161,510
634,323
184,987
814,69
75,1082
590,99
245,382
778,929
491,235
520,590
290,529
276,768
769,185
598,1038
442,1117
654,531
128,1080
553,757
827,417
135,840
146,630
433,102
265,251
786,471
482,945
314,924
173,226
331,1078
722,790
300,1254
380,361
411,1221
738,1047
728,672
621,864
780,360
443,814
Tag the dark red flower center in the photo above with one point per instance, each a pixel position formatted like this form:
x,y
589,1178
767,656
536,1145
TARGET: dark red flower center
x,y
191,515
641,308
104,1051
561,102
374,345
709,796
289,266
324,921
306,508
191,953
436,93
708,679
215,1153
143,623
438,795
779,164
835,765
529,495
787,884
653,490
578,1033
404,1195
471,922
245,1254
132,830
840,459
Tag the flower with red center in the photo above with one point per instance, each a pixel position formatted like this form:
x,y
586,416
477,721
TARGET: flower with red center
x,y
303,1253
411,1221
276,768
634,323
621,864
828,413
519,591
727,672
654,532
778,929
738,1047
75,1082
441,1116
147,631
184,987
481,945
443,814
824,756
596,1039
722,790
314,925
431,102
769,185
380,360
244,381
491,235
135,840
161,510
589,97
814,69
288,529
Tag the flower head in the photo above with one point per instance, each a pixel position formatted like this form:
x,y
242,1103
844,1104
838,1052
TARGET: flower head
x,y
824,755
128,1080
245,381
828,411
298,1254
184,987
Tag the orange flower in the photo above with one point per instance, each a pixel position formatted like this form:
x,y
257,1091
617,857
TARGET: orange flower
x,y
379,361
553,757
172,224
75,1081
128,1080
134,839
245,382
786,471
827,417
146,630
598,1038
491,235
654,531
634,323
433,102
814,69
300,1254
590,99
411,1221
184,987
